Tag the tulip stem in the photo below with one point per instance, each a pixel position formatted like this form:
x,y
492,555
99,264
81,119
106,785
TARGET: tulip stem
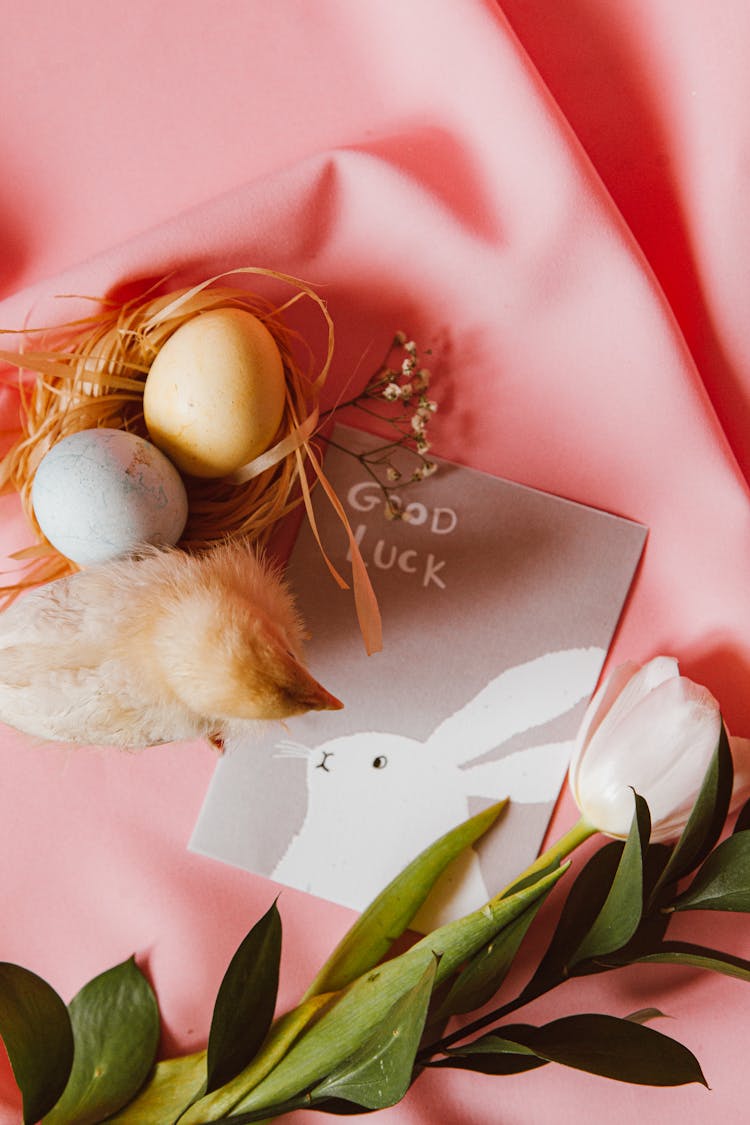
x,y
557,852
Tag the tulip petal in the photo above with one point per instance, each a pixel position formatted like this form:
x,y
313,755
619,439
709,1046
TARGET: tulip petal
x,y
599,706
694,742
616,697
661,747
646,679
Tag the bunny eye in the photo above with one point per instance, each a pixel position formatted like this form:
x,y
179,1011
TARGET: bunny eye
x,y
380,762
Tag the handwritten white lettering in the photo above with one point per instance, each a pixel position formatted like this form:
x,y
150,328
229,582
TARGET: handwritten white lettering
x,y
431,572
405,562
379,553
450,517
366,496
385,556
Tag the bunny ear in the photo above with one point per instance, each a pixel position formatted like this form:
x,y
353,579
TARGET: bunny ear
x,y
520,698
531,776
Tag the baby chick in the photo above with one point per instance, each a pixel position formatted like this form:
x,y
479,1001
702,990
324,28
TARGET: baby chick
x,y
158,647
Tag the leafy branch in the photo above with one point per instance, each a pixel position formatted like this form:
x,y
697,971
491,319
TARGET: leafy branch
x,y
370,1023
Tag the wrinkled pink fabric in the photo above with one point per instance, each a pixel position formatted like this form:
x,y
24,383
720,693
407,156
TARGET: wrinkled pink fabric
x,y
551,196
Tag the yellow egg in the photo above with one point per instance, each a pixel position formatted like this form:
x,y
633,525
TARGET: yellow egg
x,y
214,396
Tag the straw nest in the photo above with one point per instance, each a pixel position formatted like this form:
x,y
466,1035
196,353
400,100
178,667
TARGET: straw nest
x,y
92,373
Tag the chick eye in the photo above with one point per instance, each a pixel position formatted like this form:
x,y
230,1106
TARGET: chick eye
x,y
380,762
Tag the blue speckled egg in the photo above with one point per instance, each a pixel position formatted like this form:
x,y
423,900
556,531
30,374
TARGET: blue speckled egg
x,y
100,493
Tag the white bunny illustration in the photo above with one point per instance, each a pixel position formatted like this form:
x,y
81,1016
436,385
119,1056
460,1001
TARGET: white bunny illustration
x,y
376,799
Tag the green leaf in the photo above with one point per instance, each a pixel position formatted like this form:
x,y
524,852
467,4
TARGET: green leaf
x,y
172,1087
353,1014
379,1073
245,1003
653,925
742,823
492,1054
699,957
35,1027
584,902
620,915
617,1048
263,1115
284,1032
612,1048
723,882
705,821
116,1030
645,1015
483,975
388,916
370,938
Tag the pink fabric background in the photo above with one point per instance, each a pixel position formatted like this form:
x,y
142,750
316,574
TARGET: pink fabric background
x,y
554,198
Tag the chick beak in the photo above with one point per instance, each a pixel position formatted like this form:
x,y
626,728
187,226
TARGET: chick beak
x,y
303,691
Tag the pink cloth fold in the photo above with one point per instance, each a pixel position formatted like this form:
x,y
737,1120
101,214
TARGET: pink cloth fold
x,y
549,197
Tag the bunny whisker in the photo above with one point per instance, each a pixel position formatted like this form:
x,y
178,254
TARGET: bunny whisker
x,y
290,749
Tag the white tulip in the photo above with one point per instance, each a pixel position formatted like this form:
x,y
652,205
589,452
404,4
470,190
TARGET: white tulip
x,y
647,729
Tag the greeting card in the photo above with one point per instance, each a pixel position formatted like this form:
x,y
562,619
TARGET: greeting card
x,y
498,603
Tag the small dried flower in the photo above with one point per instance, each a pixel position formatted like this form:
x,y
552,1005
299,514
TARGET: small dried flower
x,y
393,511
427,469
389,396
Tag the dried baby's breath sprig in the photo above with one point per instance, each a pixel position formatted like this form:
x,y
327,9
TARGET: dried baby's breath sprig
x,y
397,395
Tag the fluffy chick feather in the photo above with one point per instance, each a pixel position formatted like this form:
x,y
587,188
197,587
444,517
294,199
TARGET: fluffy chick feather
x,y
159,647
